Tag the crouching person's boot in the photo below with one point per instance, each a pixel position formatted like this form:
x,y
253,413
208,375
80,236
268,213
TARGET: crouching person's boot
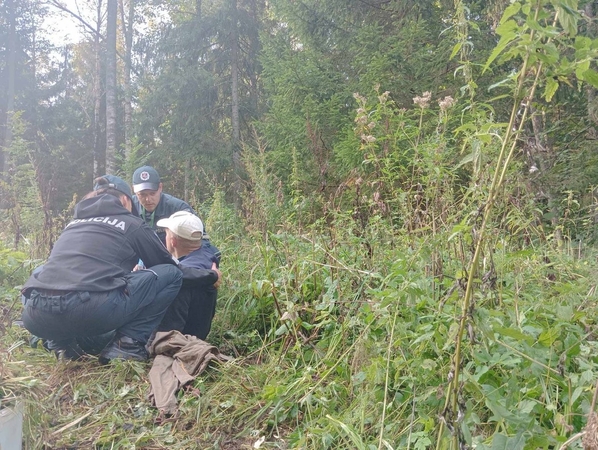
x,y
65,350
123,347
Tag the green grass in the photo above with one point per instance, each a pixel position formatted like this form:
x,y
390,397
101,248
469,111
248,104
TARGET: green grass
x,y
331,356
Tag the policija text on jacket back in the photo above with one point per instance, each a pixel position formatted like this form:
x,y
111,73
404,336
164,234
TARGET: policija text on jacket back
x,y
87,286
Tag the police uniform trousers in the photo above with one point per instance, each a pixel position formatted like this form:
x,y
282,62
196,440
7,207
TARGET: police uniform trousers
x,y
133,311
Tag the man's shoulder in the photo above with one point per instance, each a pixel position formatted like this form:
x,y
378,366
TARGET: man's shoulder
x,y
169,204
134,220
201,258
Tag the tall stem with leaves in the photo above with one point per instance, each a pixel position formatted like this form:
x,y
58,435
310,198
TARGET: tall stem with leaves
x,y
508,145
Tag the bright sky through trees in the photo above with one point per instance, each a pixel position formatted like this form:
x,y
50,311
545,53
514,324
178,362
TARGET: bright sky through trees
x,y
63,27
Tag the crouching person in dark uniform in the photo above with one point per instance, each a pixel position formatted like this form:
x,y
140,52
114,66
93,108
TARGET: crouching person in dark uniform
x,y
194,307
87,288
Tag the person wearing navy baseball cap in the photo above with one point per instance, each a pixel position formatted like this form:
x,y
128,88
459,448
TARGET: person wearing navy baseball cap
x,y
87,287
153,204
146,177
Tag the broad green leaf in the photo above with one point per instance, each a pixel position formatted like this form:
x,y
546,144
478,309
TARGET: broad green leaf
x,y
485,138
527,406
538,442
306,325
466,432
551,50
587,377
576,393
551,87
582,43
283,329
456,49
509,35
423,337
510,12
466,160
515,334
581,68
591,77
502,442
499,411
548,54
505,28
568,16
533,24
547,337
480,371
428,364
564,312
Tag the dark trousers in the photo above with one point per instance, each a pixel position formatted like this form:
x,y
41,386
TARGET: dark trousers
x,y
191,312
134,312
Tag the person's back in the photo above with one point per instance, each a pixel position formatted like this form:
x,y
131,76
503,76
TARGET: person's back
x,y
202,303
195,305
98,247
86,288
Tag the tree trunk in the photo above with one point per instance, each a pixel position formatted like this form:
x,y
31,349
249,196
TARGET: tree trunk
x,y
235,100
10,94
127,26
186,179
44,187
592,107
253,73
99,152
111,86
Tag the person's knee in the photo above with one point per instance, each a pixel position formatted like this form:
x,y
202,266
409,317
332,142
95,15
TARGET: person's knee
x,y
175,275
168,271
169,281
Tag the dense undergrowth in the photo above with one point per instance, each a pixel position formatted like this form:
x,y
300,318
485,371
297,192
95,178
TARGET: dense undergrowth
x,y
344,346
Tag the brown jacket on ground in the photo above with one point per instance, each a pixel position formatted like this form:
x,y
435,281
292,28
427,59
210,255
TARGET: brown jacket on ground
x,y
179,358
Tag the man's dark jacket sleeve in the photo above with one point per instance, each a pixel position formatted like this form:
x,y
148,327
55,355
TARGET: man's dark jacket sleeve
x,y
193,277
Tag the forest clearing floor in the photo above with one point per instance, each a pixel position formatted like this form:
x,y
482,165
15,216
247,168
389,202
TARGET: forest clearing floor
x,y
82,404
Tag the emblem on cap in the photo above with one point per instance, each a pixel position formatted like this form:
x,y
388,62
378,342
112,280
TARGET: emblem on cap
x,y
144,176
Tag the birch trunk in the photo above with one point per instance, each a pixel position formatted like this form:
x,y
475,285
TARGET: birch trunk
x,y
111,86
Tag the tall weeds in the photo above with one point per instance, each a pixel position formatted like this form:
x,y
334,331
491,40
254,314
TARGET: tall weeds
x,y
437,274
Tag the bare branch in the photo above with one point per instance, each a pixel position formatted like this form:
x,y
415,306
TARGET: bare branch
x,y
88,27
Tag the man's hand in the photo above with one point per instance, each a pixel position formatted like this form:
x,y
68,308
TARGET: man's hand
x,y
215,269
